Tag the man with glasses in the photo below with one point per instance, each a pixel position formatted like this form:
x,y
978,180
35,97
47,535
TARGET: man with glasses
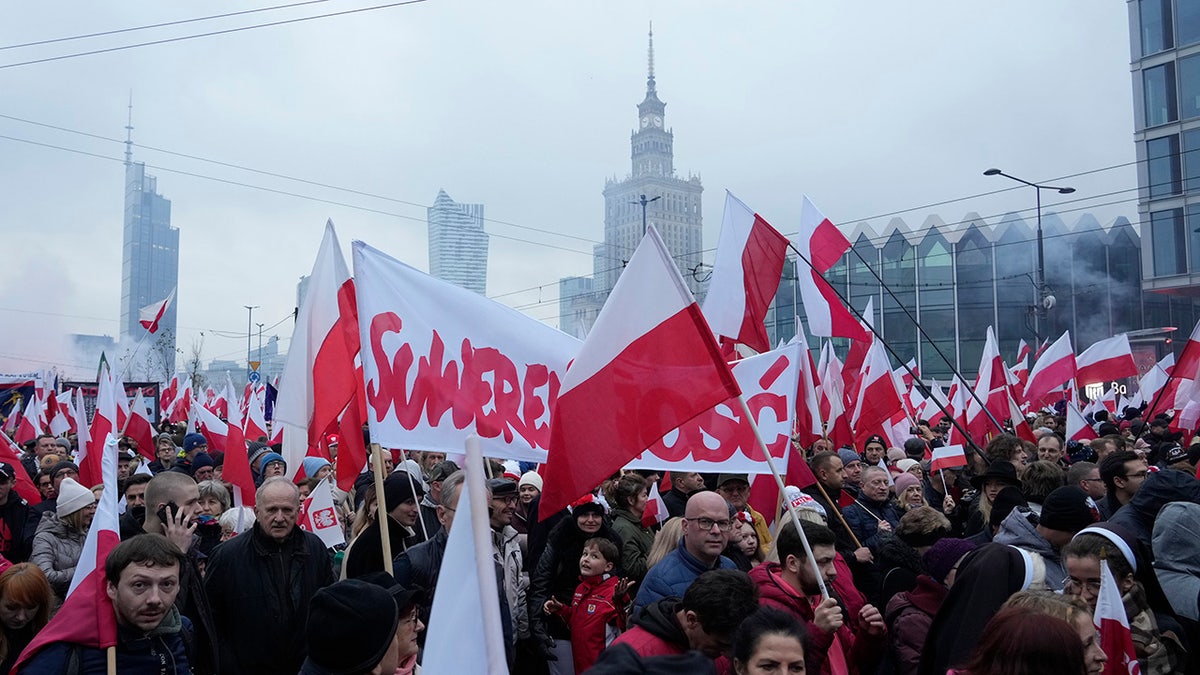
x,y
735,488
1123,473
506,550
706,529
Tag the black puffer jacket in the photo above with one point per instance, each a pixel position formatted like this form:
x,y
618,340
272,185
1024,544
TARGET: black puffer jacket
x,y
557,574
259,591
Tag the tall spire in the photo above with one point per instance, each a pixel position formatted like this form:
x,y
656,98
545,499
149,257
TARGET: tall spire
x,y
650,61
129,133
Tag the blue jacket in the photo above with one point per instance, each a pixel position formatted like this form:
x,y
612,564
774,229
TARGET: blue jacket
x,y
672,575
160,652
863,517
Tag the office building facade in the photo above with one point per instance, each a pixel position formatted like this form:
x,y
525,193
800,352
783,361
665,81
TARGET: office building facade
x,y
458,244
149,258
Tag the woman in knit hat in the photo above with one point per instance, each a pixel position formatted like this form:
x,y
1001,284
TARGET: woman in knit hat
x,y
910,494
529,488
58,542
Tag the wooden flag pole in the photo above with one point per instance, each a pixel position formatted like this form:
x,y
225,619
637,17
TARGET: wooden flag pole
x,y
111,656
812,560
381,507
420,519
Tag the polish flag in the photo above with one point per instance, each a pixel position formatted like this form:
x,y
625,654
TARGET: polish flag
x,y
236,470
215,431
1019,378
947,457
1054,368
808,404
104,424
10,453
1019,423
256,421
958,404
30,425
833,399
1116,638
649,364
318,515
182,404
140,428
84,436
991,387
58,421
877,398
168,393
86,617
1188,366
13,419
746,273
1041,348
656,508
822,244
1105,361
151,314
121,399
1077,427
1023,350
319,377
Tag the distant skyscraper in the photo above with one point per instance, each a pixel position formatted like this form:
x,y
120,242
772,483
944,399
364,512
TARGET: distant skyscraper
x,y
150,253
458,245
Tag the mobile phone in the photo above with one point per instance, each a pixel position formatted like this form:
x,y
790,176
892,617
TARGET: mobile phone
x,y
163,516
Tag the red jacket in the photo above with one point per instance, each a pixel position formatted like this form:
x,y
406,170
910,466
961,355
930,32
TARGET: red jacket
x,y
862,651
591,613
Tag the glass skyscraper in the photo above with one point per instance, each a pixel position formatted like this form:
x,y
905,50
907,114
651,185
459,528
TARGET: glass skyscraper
x,y
458,244
149,258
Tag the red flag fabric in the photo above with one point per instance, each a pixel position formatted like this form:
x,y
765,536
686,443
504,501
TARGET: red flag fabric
x,y
808,402
1054,368
13,420
256,420
991,387
103,423
140,429
746,272
1116,638
215,431
10,453
877,398
947,457
30,426
151,314
1105,361
1077,427
1188,365
649,364
822,244
656,508
237,462
86,616
352,449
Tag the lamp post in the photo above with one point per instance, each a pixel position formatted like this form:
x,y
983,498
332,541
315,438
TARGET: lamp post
x,y
1044,298
249,326
643,201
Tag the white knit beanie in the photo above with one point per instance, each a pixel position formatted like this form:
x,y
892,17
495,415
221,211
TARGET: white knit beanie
x,y
531,478
72,496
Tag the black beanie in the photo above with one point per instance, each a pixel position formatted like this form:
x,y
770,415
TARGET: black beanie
x,y
1007,499
351,625
1068,509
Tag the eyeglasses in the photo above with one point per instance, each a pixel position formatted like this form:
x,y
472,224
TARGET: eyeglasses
x,y
707,523
1139,474
1093,585
1092,480
506,499
414,617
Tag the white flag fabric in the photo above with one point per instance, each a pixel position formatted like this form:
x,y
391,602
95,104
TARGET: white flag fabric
x,y
318,515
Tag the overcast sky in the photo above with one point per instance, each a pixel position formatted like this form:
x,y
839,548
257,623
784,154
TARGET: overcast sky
x,y
870,108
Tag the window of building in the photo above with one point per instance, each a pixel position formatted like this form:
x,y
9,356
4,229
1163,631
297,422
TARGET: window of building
x,y
1187,22
1158,85
1193,236
1155,18
1162,155
1189,87
1191,160
1169,241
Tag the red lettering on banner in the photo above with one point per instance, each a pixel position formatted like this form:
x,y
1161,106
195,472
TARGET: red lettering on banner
x,y
491,394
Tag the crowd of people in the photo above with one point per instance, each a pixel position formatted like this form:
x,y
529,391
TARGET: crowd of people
x,y
893,566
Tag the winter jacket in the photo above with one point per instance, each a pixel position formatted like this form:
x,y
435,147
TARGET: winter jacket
x,y
56,549
863,517
514,579
1177,557
595,616
365,553
428,510
557,574
1019,529
676,502
673,574
14,513
1158,652
637,542
900,565
908,617
1159,489
656,631
418,567
160,652
845,543
623,660
862,651
259,590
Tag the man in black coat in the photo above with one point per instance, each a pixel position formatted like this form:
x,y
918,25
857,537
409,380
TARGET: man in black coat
x,y
14,513
260,583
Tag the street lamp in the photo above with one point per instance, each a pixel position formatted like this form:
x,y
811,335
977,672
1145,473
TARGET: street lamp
x,y
643,201
1045,300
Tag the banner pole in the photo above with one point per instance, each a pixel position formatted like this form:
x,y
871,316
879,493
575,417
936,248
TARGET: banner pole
x,y
812,561
381,508
420,519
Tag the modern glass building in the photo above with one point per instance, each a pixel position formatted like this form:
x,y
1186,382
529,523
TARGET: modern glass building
x,y
149,256
458,244
957,279
1165,43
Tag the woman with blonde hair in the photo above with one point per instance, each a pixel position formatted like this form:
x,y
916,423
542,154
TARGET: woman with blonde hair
x,y
665,541
58,542
25,600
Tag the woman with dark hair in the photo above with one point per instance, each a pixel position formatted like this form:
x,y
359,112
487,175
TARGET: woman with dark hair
x,y
769,641
1017,642
25,601
628,496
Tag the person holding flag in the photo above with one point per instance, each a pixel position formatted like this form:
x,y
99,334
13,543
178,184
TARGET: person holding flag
x,y
628,496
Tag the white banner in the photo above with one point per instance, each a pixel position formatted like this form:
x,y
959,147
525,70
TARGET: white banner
x,y
441,363
720,440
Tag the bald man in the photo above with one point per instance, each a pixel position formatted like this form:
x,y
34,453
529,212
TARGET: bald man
x,y
706,528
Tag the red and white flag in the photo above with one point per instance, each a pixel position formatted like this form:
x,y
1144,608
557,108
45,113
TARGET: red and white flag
x,y
318,515
656,508
151,314
86,616
1023,350
822,244
746,272
1188,366
808,402
1054,368
236,471
216,432
877,399
991,387
256,420
140,429
30,426
1077,427
319,376
104,423
649,364
1105,361
947,457
1116,638
10,453
14,418
833,398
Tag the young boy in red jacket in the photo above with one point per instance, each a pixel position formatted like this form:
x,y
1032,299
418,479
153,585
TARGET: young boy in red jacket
x,y
596,614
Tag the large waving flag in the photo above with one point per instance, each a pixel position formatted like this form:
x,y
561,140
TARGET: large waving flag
x,y
104,423
140,429
1116,638
11,454
1188,366
649,364
237,461
877,397
808,403
151,314
86,617
319,377
746,273
822,244
30,426
1105,361
1054,368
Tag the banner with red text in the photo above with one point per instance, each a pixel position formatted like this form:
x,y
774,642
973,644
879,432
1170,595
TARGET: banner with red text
x,y
721,440
441,363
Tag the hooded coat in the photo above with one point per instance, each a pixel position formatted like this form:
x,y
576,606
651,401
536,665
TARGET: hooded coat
x,y
1020,529
1176,539
656,631
56,550
1160,488
909,616
637,539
